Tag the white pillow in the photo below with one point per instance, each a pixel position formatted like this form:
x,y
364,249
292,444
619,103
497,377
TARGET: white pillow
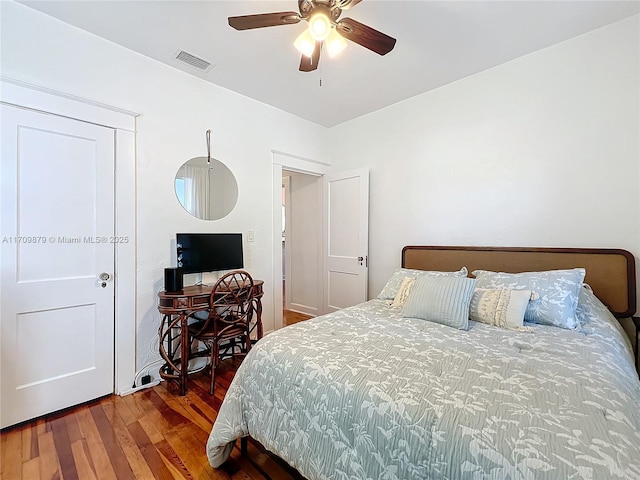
x,y
403,293
501,307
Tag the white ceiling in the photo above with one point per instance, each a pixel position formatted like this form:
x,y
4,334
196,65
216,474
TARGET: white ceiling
x,y
438,42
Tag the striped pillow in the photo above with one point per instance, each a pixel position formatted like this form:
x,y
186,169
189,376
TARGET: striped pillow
x,y
390,290
442,300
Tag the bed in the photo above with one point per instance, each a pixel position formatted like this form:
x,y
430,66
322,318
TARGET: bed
x,y
369,392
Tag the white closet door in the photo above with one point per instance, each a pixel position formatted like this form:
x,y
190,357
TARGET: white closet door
x,y
57,316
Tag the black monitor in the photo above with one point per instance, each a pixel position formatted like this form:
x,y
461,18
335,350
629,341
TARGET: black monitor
x,y
209,252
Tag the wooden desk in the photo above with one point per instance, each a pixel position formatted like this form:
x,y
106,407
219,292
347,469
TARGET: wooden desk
x,y
175,308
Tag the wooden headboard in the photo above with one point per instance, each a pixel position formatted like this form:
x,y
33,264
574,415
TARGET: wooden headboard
x,y
610,272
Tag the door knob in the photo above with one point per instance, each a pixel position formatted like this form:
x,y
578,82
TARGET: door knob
x,y
360,260
104,276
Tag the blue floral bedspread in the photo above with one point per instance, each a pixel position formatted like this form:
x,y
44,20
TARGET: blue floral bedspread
x,y
363,393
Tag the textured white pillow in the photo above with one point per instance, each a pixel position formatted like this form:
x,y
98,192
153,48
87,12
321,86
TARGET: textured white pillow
x,y
501,307
403,293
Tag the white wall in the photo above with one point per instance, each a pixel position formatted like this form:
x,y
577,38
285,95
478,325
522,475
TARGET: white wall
x,y
176,110
541,151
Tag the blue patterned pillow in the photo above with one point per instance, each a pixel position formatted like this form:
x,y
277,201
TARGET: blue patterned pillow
x,y
558,292
393,285
442,300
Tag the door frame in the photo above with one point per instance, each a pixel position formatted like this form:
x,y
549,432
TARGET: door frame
x,y
24,95
286,274
286,161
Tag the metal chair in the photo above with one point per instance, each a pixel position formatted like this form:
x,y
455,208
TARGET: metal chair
x,y
229,318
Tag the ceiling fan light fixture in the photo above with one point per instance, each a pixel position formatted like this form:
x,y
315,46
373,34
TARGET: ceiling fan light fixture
x,y
319,26
335,43
305,43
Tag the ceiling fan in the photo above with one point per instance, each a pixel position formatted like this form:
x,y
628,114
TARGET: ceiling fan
x,y
324,26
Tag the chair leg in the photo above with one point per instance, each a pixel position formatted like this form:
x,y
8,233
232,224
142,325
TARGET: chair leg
x,y
215,359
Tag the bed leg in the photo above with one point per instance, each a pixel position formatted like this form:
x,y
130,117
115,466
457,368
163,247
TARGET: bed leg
x,y
243,445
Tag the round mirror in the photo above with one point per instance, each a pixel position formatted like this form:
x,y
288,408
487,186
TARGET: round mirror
x,y
206,190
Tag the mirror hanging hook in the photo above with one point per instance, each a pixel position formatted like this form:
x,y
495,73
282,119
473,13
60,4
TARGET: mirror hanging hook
x,y
208,147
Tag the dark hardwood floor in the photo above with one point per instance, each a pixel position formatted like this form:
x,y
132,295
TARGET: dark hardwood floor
x,y
151,434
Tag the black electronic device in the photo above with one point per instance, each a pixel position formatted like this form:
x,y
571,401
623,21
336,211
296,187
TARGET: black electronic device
x,y
209,252
172,279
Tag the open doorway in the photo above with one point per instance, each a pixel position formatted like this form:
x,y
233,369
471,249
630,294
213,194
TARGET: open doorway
x,y
301,246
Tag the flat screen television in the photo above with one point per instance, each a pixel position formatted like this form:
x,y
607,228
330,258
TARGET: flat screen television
x,y
209,252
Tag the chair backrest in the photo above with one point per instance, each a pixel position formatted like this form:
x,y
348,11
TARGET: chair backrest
x,y
231,300
230,305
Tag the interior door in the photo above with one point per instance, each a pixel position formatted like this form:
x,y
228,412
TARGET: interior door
x,y
347,245
57,314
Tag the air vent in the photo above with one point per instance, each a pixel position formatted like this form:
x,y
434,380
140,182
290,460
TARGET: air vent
x,y
194,61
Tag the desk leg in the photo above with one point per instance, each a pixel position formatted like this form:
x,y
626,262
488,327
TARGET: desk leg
x,y
184,354
169,343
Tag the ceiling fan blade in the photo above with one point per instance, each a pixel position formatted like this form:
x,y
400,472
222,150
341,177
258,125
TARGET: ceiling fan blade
x,y
310,64
247,22
347,4
366,36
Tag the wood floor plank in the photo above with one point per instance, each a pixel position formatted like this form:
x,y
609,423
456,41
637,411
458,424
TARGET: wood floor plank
x,y
123,408
173,460
40,425
97,453
110,441
202,392
73,428
171,415
151,455
130,448
30,469
153,423
29,439
49,464
11,456
191,449
186,407
131,402
84,464
63,448
150,428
